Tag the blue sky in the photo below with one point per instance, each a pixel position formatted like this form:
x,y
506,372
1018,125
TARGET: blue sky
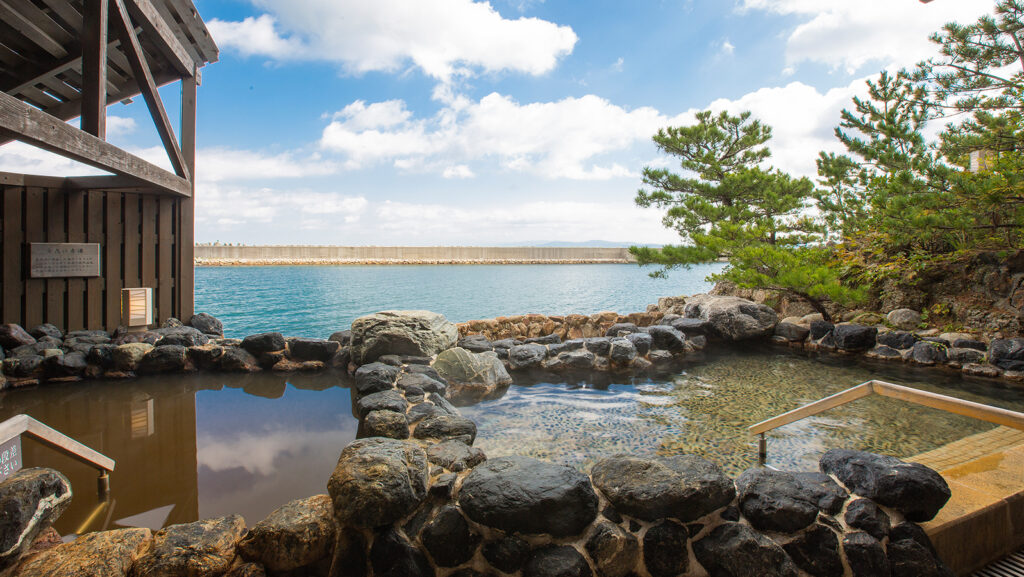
x,y
422,122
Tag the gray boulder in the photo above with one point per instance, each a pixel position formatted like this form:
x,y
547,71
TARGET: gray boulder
x,y
906,319
792,332
378,481
854,337
775,501
866,555
443,427
449,539
732,318
416,333
164,359
475,343
375,377
383,424
685,487
302,349
524,495
264,343
455,456
1007,354
865,515
899,340
295,535
622,352
667,339
556,561
31,500
472,377
911,488
928,353
182,336
46,330
662,546
816,551
389,400
614,551
618,329
642,342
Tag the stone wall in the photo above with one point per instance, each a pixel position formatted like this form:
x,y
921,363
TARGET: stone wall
x,y
413,497
565,327
269,255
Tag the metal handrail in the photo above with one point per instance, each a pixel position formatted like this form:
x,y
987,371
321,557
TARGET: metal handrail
x,y
934,400
24,424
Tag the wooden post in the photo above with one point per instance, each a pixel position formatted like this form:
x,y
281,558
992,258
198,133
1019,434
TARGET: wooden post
x,y
186,206
94,68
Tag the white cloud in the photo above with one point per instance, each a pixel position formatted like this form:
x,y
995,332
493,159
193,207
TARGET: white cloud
x,y
233,205
444,38
224,164
563,139
120,126
458,171
727,48
22,158
848,35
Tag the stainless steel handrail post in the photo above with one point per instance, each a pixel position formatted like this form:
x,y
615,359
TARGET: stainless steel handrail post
x,y
762,451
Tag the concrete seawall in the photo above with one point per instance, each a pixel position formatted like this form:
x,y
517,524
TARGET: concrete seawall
x,y
335,255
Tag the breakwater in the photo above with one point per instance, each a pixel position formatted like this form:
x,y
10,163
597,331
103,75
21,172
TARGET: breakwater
x,y
217,255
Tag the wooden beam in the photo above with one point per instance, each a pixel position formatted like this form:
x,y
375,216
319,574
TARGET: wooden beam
x,y
186,236
158,30
137,59
39,129
31,30
94,68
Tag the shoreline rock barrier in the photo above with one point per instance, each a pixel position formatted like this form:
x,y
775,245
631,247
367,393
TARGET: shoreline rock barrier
x,y
413,497
399,261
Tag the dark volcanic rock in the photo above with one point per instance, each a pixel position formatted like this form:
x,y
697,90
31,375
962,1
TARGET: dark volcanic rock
x,y
295,535
207,324
614,551
735,550
393,556
455,456
390,400
820,328
691,327
312,349
423,410
238,360
446,427
622,352
667,339
551,339
928,353
448,538
377,482
914,556
1007,354
183,336
570,360
970,344
375,377
775,501
621,328
853,337
66,365
384,424
204,547
899,340
556,561
472,377
600,346
46,330
642,341
821,489
507,554
264,343
22,367
526,356
524,495
164,359
665,548
911,488
475,343
865,515
866,555
793,333
816,551
13,336
343,338
425,383
30,501
101,355
685,487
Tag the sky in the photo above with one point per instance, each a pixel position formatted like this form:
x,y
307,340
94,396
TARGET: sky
x,y
461,122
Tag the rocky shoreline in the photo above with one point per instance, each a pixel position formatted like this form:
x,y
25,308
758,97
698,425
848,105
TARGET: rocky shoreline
x,y
394,261
413,497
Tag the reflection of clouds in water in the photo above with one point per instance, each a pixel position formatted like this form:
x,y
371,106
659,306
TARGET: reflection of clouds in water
x,y
257,452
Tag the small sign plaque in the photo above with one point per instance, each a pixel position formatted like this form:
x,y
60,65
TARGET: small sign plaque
x,y
64,259
10,457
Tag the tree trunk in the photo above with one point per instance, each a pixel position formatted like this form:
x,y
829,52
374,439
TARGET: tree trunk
x,y
815,304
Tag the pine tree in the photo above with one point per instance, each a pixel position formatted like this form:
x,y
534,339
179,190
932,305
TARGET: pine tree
x,y
725,206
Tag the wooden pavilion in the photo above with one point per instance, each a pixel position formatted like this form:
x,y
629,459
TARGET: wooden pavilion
x,y
70,244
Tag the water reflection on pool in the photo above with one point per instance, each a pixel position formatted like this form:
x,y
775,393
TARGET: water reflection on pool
x,y
198,446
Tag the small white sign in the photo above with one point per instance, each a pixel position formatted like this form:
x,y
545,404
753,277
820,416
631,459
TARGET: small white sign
x,y
10,457
64,259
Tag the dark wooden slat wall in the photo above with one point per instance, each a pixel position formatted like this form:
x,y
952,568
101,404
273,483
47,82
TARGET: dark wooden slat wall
x,y
138,236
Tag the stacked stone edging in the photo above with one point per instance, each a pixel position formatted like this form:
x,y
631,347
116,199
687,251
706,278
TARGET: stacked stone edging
x,y
395,261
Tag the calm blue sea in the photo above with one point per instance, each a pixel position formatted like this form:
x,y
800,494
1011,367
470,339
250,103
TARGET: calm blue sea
x,y
315,301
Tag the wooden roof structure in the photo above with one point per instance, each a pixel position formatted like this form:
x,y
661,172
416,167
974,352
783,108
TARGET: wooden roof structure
x,y
62,59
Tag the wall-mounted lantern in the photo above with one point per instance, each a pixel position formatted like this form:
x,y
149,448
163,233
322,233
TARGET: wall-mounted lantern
x,y
137,308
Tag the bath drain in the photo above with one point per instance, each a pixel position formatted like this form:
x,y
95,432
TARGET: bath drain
x,y
1011,566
